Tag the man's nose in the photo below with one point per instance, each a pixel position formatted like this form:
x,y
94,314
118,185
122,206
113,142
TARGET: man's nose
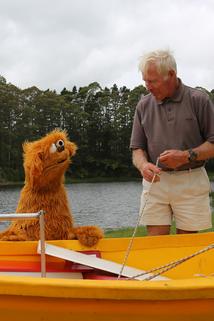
x,y
148,85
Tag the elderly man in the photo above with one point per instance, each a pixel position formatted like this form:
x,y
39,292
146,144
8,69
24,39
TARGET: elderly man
x,y
172,137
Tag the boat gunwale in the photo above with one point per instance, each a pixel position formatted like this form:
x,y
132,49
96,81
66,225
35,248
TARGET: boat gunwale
x,y
181,289
114,244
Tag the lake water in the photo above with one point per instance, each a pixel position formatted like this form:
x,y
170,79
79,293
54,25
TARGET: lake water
x,y
109,205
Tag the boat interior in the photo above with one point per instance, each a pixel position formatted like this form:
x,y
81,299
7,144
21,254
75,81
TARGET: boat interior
x,y
163,257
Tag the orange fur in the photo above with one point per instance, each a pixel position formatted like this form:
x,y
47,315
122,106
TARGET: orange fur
x,y
45,162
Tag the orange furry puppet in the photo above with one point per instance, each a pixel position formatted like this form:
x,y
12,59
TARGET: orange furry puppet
x,y
45,162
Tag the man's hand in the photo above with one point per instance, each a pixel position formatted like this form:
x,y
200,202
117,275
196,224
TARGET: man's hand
x,y
147,169
149,172
174,158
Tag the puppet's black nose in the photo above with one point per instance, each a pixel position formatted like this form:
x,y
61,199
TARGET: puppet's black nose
x,y
60,145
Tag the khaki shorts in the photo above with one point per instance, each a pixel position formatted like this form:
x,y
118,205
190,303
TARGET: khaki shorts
x,y
179,195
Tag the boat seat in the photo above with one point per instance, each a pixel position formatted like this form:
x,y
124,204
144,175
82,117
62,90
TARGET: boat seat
x,y
95,262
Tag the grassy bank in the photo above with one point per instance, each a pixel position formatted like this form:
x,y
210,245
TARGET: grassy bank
x,y
125,232
141,231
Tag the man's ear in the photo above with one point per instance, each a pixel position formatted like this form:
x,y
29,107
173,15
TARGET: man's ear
x,y
171,73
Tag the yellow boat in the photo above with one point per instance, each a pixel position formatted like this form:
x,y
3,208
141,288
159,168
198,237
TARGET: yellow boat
x,y
73,291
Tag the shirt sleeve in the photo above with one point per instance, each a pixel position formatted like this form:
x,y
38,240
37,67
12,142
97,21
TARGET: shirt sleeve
x,y
138,137
206,118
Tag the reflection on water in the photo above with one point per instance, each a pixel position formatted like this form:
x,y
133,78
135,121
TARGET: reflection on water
x,y
109,205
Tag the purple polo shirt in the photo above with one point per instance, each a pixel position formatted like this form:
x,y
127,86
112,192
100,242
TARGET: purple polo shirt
x,y
183,121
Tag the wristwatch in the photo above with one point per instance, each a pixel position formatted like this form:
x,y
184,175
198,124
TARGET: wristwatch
x,y
192,155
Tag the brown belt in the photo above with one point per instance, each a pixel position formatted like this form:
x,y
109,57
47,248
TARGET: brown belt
x,y
179,170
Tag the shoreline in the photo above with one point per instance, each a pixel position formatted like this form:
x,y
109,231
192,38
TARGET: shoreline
x,y
82,180
69,180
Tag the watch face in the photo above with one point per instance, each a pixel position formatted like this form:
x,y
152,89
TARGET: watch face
x,y
192,155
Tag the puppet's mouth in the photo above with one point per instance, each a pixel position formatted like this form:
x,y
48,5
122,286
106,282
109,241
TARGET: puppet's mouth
x,y
61,161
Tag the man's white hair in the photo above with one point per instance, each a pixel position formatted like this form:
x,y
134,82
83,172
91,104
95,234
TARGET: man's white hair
x,y
163,60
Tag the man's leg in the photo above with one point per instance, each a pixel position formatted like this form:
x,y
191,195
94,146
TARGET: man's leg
x,y
190,200
179,231
153,230
156,212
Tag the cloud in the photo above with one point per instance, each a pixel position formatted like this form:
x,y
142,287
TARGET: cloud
x,y
56,44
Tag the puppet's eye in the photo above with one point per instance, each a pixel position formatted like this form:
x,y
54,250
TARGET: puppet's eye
x,y
53,148
60,145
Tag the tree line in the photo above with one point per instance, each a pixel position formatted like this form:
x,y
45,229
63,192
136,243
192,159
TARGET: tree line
x,y
99,120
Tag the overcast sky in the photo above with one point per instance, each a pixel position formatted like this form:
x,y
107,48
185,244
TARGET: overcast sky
x,y
61,43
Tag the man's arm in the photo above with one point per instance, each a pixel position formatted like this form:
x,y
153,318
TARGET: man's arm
x,y
147,169
204,151
174,158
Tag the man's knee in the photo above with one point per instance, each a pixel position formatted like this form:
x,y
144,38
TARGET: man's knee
x,y
153,230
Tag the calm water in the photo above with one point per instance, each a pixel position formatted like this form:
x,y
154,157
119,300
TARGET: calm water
x,y
109,205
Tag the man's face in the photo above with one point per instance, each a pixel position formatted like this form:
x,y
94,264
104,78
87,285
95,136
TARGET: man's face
x,y
156,83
